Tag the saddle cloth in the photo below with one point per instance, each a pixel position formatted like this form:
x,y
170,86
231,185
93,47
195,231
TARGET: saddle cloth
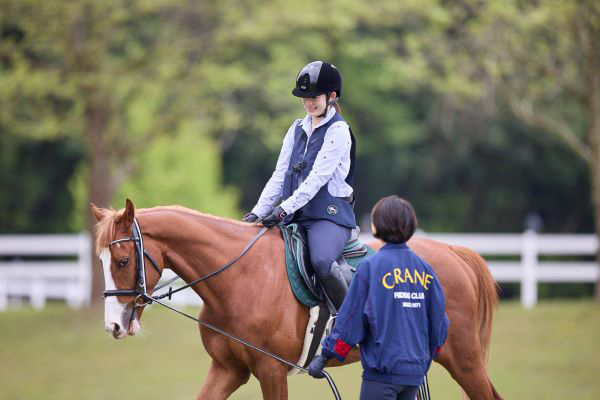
x,y
301,275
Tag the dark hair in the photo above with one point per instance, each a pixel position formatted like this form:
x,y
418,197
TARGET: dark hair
x,y
394,219
335,105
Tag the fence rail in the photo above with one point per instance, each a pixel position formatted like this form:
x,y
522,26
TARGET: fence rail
x,y
528,250
42,267
65,274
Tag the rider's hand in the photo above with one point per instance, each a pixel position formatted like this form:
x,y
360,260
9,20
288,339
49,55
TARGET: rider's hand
x,y
250,217
315,368
276,216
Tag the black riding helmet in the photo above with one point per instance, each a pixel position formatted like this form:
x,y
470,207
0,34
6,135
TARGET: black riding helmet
x,y
318,78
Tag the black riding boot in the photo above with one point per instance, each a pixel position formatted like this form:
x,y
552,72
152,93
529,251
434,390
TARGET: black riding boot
x,y
335,286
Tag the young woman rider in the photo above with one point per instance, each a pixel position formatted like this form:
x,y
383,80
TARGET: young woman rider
x,y
314,176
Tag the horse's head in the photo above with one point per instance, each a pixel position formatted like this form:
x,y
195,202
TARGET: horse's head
x,y
120,246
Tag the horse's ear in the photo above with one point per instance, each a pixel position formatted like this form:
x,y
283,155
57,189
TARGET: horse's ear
x,y
125,221
98,214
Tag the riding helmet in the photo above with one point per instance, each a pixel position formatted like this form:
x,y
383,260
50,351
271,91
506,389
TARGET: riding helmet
x,y
318,78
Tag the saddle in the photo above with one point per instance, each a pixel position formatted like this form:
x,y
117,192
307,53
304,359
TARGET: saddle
x,y
300,272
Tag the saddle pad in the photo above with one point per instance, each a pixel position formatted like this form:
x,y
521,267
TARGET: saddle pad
x,y
301,291
354,252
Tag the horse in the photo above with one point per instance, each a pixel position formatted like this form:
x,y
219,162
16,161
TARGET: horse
x,y
252,299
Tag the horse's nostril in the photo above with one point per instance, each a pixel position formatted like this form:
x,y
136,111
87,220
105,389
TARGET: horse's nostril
x,y
116,328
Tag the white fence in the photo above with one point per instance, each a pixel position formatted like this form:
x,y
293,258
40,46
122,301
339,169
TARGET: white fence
x,y
69,279
66,276
527,249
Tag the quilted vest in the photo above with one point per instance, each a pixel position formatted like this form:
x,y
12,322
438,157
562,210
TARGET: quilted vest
x,y
323,205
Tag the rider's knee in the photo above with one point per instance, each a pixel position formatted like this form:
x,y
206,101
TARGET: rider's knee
x,y
322,266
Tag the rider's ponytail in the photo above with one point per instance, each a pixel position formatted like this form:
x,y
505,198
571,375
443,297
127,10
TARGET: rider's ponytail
x,y
336,106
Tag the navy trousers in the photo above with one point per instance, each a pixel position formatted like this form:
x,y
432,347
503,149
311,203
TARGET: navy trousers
x,y
326,241
373,390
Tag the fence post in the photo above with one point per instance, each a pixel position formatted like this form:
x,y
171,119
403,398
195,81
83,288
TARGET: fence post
x,y
37,295
529,260
85,269
3,294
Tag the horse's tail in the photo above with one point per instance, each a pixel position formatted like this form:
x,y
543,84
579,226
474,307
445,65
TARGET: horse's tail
x,y
488,295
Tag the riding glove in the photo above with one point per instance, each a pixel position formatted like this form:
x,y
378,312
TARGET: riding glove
x,y
315,368
277,215
250,217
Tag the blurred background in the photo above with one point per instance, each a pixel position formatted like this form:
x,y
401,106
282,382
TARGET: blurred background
x,y
484,114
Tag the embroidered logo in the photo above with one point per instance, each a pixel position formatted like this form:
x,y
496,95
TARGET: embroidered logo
x,y
331,209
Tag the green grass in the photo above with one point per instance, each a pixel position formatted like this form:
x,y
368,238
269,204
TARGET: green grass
x,y
550,352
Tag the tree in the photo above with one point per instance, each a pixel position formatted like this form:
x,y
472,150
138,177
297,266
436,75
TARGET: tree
x,y
541,59
84,69
35,197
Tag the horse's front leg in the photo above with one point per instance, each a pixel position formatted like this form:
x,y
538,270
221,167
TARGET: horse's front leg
x,y
272,376
222,381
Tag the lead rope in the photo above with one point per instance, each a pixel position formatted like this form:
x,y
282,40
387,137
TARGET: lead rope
x,y
423,393
150,299
268,353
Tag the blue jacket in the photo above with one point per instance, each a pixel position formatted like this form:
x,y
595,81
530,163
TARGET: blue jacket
x,y
395,312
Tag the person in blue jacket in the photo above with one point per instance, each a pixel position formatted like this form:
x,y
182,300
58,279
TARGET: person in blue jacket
x,y
394,311
314,177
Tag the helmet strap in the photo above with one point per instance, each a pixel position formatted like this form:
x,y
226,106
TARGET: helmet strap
x,y
327,104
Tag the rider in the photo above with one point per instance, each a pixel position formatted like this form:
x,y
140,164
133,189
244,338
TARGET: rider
x,y
314,176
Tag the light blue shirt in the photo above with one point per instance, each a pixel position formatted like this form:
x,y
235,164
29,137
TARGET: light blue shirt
x,y
330,170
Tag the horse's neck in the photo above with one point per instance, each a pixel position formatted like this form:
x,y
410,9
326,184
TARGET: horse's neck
x,y
197,245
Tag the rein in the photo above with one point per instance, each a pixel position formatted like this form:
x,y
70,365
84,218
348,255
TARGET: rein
x,y
141,254
245,343
223,268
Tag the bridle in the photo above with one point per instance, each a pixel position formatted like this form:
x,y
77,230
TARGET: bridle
x,y
140,291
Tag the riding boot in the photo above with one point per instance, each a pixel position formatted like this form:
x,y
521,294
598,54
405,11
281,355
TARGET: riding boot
x,y
335,287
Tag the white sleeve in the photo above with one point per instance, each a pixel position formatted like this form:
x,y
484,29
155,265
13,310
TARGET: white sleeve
x,y
274,187
336,144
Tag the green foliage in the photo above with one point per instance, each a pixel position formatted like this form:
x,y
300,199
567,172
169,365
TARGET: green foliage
x,y
115,77
436,93
33,184
183,169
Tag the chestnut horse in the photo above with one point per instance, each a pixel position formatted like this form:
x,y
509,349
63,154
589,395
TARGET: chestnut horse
x,y
253,299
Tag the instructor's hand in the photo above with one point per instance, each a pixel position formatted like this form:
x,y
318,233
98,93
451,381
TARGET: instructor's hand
x,y
276,216
315,369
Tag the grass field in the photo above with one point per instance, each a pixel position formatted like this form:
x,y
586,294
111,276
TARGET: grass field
x,y
551,352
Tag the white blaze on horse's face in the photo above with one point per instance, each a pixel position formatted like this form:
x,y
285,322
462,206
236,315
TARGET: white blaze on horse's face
x,y
117,317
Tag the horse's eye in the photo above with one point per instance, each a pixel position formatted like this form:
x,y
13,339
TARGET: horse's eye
x,y
123,262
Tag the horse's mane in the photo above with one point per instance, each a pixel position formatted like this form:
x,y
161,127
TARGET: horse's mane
x,y
105,228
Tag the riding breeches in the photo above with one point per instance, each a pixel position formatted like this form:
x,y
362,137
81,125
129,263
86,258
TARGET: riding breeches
x,y
326,241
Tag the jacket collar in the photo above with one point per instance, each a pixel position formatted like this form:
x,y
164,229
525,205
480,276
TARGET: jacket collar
x,y
395,246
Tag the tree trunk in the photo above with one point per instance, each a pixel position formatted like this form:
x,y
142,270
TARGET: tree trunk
x,y
595,188
100,178
593,117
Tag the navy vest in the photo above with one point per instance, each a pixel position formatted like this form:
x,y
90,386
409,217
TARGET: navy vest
x,y
323,205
